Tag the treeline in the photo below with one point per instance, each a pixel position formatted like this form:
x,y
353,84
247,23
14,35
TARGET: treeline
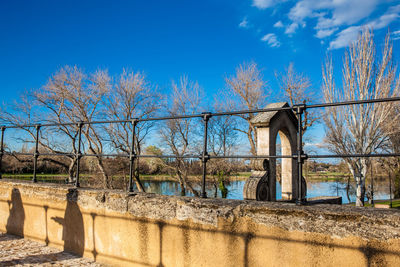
x,y
119,166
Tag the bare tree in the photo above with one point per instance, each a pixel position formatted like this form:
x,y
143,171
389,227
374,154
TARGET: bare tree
x,y
296,88
179,135
222,141
222,135
358,129
247,90
132,97
28,111
392,129
69,96
80,97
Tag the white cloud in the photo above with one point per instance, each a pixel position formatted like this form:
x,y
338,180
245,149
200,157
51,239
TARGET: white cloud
x,y
392,14
292,28
345,37
278,24
263,4
325,33
350,34
396,35
301,10
244,23
271,39
350,12
340,19
332,14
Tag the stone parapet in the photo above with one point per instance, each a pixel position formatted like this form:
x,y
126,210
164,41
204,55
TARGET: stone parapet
x,y
122,228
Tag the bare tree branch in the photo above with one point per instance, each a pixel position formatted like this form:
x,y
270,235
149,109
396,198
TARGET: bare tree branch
x,y
247,90
175,134
359,129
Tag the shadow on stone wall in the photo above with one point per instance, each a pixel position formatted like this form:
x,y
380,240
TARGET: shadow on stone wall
x,y
16,219
374,254
73,229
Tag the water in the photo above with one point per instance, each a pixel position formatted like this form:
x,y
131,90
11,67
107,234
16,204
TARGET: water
x,y
235,189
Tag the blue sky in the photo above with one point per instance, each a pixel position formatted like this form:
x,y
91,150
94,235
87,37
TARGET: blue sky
x,y
204,39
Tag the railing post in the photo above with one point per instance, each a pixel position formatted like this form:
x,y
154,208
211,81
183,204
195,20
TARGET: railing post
x,y
133,157
299,109
78,153
3,128
36,154
205,157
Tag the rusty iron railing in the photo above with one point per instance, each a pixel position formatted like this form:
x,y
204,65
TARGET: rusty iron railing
x,y
300,156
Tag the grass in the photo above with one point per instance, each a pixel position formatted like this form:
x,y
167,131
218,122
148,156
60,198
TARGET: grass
x,y
23,175
326,176
395,203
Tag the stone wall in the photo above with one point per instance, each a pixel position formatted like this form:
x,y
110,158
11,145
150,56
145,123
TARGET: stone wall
x,y
150,230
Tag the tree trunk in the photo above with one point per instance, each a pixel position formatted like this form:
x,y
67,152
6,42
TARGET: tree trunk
x,y
253,142
397,183
191,189
180,179
183,191
138,183
360,181
348,189
106,180
71,172
215,183
185,178
359,170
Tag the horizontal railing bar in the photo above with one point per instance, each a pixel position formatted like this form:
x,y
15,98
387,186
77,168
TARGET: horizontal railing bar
x,y
253,157
170,156
41,154
107,122
56,154
41,125
213,156
353,102
250,111
105,155
173,117
102,155
354,156
141,156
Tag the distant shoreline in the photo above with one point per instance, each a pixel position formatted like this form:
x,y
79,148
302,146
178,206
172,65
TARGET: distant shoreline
x,y
242,176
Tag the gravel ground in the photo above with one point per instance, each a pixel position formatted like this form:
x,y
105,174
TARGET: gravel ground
x,y
17,251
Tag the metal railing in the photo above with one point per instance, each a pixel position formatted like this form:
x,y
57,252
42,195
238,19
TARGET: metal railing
x,y
300,156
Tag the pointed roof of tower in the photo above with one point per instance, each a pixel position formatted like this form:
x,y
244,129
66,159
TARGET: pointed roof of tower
x,y
263,119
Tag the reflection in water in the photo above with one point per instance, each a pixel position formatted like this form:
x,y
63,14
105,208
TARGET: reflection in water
x,y
235,189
